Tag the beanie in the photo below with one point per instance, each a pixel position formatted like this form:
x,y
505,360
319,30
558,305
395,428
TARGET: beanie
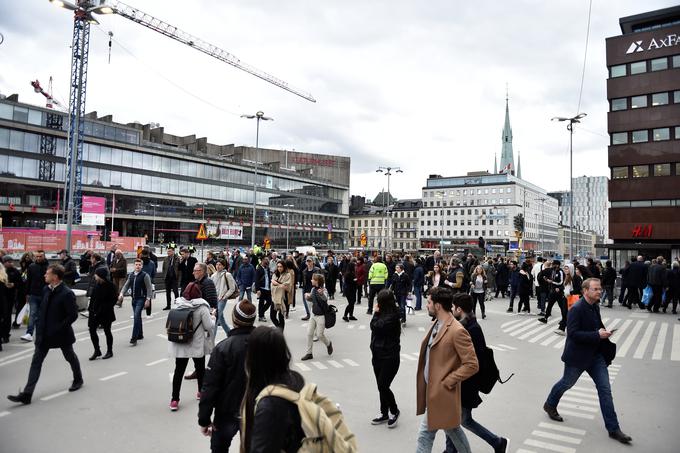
x,y
102,272
192,291
244,314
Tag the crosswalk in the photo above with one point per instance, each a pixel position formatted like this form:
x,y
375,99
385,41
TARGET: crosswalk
x,y
635,337
326,364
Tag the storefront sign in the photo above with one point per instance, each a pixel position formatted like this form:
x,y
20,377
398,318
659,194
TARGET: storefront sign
x,y
642,231
231,232
94,210
669,40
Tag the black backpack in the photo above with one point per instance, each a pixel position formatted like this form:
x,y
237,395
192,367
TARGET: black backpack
x,y
180,325
488,373
330,316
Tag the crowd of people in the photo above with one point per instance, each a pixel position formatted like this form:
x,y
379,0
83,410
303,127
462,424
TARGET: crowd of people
x,y
232,387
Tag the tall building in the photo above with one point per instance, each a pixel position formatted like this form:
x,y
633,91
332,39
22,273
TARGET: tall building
x,y
405,225
507,155
156,184
643,90
591,204
370,221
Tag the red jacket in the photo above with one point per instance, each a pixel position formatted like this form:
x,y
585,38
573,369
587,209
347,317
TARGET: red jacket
x,y
360,272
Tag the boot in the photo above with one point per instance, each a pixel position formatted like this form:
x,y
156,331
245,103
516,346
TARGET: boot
x,y
21,397
96,354
108,355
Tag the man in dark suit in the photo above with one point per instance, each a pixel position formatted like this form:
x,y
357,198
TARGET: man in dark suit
x,y
584,350
171,275
636,278
263,289
58,310
186,269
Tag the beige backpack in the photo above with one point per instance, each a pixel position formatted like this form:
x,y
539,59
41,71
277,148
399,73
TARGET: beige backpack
x,y
322,422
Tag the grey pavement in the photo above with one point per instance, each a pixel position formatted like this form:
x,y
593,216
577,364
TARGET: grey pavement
x,y
124,403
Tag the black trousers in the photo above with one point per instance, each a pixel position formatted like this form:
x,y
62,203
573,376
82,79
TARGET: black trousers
x,y
180,367
39,355
478,297
95,337
222,435
385,369
359,294
351,300
373,291
513,293
655,304
503,289
557,296
277,317
6,306
523,303
634,296
170,288
264,302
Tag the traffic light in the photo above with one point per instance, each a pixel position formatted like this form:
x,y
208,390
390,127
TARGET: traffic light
x,y
518,223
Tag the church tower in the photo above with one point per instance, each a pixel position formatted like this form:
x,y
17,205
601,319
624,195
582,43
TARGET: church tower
x,y
507,156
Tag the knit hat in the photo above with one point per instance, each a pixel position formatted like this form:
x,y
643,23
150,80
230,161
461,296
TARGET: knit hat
x,y
244,314
102,272
192,291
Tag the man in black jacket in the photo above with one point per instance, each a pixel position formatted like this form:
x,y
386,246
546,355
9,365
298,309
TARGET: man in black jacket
x,y
70,267
13,283
225,380
656,278
186,269
58,310
585,350
35,282
469,389
401,286
608,283
263,288
637,278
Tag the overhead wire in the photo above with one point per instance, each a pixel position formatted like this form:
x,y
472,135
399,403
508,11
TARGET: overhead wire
x,y
585,57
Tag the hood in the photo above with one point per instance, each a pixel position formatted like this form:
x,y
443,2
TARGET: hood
x,y
183,303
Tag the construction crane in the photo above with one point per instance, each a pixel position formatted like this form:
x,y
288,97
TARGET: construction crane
x,y
48,143
50,101
83,17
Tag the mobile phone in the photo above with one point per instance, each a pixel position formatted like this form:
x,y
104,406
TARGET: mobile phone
x,y
613,330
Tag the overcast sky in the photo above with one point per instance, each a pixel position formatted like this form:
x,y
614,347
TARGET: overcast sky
x,y
420,85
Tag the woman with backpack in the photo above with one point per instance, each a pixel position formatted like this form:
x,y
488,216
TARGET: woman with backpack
x,y
199,345
385,349
226,288
317,322
281,285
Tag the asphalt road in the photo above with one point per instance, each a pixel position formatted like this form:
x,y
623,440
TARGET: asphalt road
x,y
124,403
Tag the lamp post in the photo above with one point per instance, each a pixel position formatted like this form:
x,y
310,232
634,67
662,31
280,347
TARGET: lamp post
x,y
388,173
288,206
153,225
542,225
259,116
570,128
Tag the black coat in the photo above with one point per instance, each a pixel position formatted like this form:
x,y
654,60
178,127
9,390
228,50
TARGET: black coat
x,y
637,274
225,379
608,276
104,297
385,335
186,271
583,340
35,278
331,275
260,280
58,310
71,269
469,394
401,285
502,275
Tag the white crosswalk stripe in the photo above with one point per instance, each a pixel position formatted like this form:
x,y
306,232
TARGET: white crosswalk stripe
x,y
537,329
408,357
564,429
579,407
302,366
640,351
675,346
520,325
549,446
577,414
660,340
558,437
550,340
319,365
350,362
335,364
629,341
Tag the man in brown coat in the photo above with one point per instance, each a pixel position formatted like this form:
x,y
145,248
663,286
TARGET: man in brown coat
x,y
447,358
118,269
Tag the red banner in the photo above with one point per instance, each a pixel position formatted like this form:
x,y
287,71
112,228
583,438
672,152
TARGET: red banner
x,y
53,241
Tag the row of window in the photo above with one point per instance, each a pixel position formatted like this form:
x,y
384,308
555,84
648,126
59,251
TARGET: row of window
x,y
462,222
454,233
495,211
658,134
640,67
645,203
645,100
458,192
645,171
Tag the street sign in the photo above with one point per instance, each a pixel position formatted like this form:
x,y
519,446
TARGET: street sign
x,y
201,235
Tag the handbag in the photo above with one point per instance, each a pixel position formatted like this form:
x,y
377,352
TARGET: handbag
x,y
571,300
233,295
608,350
647,294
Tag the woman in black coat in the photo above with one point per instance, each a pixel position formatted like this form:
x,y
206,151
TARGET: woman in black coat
x,y
350,280
502,278
104,296
331,277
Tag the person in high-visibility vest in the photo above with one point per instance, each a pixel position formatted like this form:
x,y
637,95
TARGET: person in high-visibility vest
x,y
377,275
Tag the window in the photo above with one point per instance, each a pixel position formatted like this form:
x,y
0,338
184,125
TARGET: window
x,y
619,172
618,104
21,114
662,170
676,97
677,132
640,136
619,138
640,171
617,71
637,102
641,204
638,67
676,61
659,99
659,64
661,134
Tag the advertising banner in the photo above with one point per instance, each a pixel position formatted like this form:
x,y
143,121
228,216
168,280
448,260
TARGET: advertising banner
x,y
231,232
94,210
25,240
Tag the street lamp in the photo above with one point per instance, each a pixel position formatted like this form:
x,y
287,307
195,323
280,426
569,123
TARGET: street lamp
x,y
259,116
388,173
288,206
153,227
542,225
570,128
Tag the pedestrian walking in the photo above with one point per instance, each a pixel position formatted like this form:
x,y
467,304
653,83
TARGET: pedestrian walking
x,y
350,279
556,282
637,279
201,343
656,278
291,268
447,357
263,289
332,273
35,283
457,279
208,290
118,269
245,278
361,274
418,283
226,288
385,349
280,288
139,284
514,284
479,284
13,288
608,283
58,311
673,291
171,275
317,323
524,288
149,266
70,267
224,383
584,350
377,277
308,273
502,278
490,271
5,307
100,310
400,284
463,311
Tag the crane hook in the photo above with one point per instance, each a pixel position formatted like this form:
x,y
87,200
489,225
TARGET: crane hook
x,y
110,38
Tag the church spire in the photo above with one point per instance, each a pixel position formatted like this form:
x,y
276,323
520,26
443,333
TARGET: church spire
x,y
495,163
519,168
507,156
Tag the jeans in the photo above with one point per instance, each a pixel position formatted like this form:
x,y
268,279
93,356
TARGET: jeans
x,y
426,438
222,435
137,307
221,305
304,302
247,292
34,306
598,372
418,291
180,368
609,294
36,366
471,425
385,369
317,324
401,301
264,302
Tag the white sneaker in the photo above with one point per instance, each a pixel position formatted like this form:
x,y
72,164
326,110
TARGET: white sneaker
x,y
560,332
27,337
149,316
293,308
132,317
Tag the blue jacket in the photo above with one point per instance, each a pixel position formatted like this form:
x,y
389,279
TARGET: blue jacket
x,y
418,276
514,278
583,339
245,277
149,267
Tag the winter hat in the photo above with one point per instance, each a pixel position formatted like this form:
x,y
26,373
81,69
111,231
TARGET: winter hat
x,y
244,314
192,291
102,272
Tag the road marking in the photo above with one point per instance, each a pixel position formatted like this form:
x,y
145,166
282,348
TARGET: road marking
x,y
559,437
594,402
408,357
350,362
578,407
537,329
564,429
577,414
4,413
507,347
304,324
545,333
629,341
660,340
550,340
351,326
4,359
622,328
362,327
16,359
319,365
496,348
549,446
675,346
526,322
522,450
510,323
560,343
581,395
615,365
421,329
639,315
612,324
335,364
156,362
54,395
523,329
113,376
583,389
640,351
302,366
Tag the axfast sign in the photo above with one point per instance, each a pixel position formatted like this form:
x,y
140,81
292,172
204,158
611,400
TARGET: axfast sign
x,y
655,43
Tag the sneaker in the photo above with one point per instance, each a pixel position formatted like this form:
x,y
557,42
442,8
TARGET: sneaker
x,y
380,420
316,339
392,422
503,446
509,310
307,357
293,308
543,320
149,316
174,405
27,337
560,332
